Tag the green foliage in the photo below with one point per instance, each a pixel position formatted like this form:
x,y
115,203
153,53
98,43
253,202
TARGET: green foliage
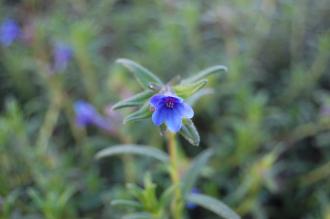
x,y
213,205
133,149
136,100
189,132
142,75
264,121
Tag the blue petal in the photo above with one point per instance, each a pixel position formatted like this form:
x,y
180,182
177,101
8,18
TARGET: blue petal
x,y
174,120
155,100
159,116
185,110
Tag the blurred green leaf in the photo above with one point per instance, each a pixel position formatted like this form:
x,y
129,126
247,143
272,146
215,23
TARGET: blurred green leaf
x,y
126,203
189,132
168,195
135,100
213,205
142,75
192,100
186,90
143,113
133,149
139,215
205,73
190,177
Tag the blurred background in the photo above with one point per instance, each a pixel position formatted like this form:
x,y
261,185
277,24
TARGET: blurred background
x,y
268,118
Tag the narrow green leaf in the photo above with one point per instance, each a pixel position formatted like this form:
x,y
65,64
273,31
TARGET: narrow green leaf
x,y
213,205
189,132
142,75
186,90
205,73
190,177
133,149
134,190
168,195
143,113
126,203
66,195
192,100
139,215
36,197
135,100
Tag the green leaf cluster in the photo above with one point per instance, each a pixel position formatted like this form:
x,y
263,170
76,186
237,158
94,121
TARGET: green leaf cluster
x,y
191,87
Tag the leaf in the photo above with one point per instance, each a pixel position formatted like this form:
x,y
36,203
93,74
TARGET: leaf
x,y
126,203
36,197
139,215
133,149
189,132
190,177
142,75
135,100
196,96
168,195
143,113
205,73
186,90
213,205
66,195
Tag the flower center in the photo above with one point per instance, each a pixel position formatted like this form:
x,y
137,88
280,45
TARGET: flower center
x,y
169,102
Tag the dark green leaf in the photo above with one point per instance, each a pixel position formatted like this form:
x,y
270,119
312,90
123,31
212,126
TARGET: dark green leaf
x,y
205,73
142,75
189,132
135,100
186,90
143,113
213,205
133,149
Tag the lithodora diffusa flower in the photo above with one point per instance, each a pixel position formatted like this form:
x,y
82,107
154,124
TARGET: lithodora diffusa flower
x,y
165,103
9,32
170,109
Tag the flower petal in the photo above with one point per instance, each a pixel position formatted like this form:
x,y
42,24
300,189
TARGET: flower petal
x,y
173,121
155,100
159,116
185,110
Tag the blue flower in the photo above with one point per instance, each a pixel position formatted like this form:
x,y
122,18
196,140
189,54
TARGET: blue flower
x,y
191,205
86,114
62,55
170,109
9,31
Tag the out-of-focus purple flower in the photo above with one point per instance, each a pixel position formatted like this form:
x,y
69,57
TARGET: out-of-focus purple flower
x,y
86,114
191,205
325,110
170,109
62,56
9,31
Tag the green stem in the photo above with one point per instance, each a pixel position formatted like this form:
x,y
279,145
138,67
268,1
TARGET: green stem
x,y
48,126
177,204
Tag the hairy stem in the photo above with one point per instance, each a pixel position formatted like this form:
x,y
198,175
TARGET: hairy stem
x,y
176,205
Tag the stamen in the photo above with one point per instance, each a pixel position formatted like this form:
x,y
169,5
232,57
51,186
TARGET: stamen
x,y
169,102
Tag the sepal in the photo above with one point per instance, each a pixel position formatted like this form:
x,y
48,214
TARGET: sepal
x,y
189,132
